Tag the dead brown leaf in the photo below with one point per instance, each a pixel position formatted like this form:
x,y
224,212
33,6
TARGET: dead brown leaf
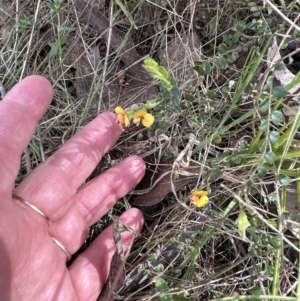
x,y
159,192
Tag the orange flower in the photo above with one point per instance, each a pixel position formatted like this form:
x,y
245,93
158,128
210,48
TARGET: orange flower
x,y
122,117
199,198
143,116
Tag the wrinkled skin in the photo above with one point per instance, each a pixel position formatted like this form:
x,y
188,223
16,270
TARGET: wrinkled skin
x,y
32,266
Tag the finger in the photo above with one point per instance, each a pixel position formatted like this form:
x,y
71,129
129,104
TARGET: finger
x,y
20,111
94,200
51,185
90,270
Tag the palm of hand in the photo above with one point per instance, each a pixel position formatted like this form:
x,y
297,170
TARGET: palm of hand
x,y
32,266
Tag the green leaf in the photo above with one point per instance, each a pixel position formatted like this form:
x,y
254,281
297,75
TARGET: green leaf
x,y
64,39
235,37
158,72
254,190
216,173
241,26
272,222
276,117
175,98
207,68
52,7
280,92
222,48
284,180
211,94
150,104
217,140
161,285
152,258
269,9
263,105
164,72
221,63
198,63
54,49
236,159
189,97
280,66
148,61
264,126
272,196
234,55
176,175
261,172
286,215
116,14
270,157
225,89
274,136
270,81
243,223
200,70
159,268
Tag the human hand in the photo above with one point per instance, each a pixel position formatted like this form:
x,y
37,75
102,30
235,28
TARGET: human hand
x,y
32,266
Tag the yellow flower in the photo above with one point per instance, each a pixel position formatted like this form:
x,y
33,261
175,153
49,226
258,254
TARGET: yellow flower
x,y
199,198
142,115
122,117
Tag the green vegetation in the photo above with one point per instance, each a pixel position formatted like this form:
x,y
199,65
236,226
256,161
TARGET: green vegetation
x,y
221,117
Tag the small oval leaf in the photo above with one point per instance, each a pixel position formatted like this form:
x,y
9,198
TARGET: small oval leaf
x,y
211,94
270,157
276,117
264,126
221,63
222,48
280,92
274,137
261,172
207,68
284,180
